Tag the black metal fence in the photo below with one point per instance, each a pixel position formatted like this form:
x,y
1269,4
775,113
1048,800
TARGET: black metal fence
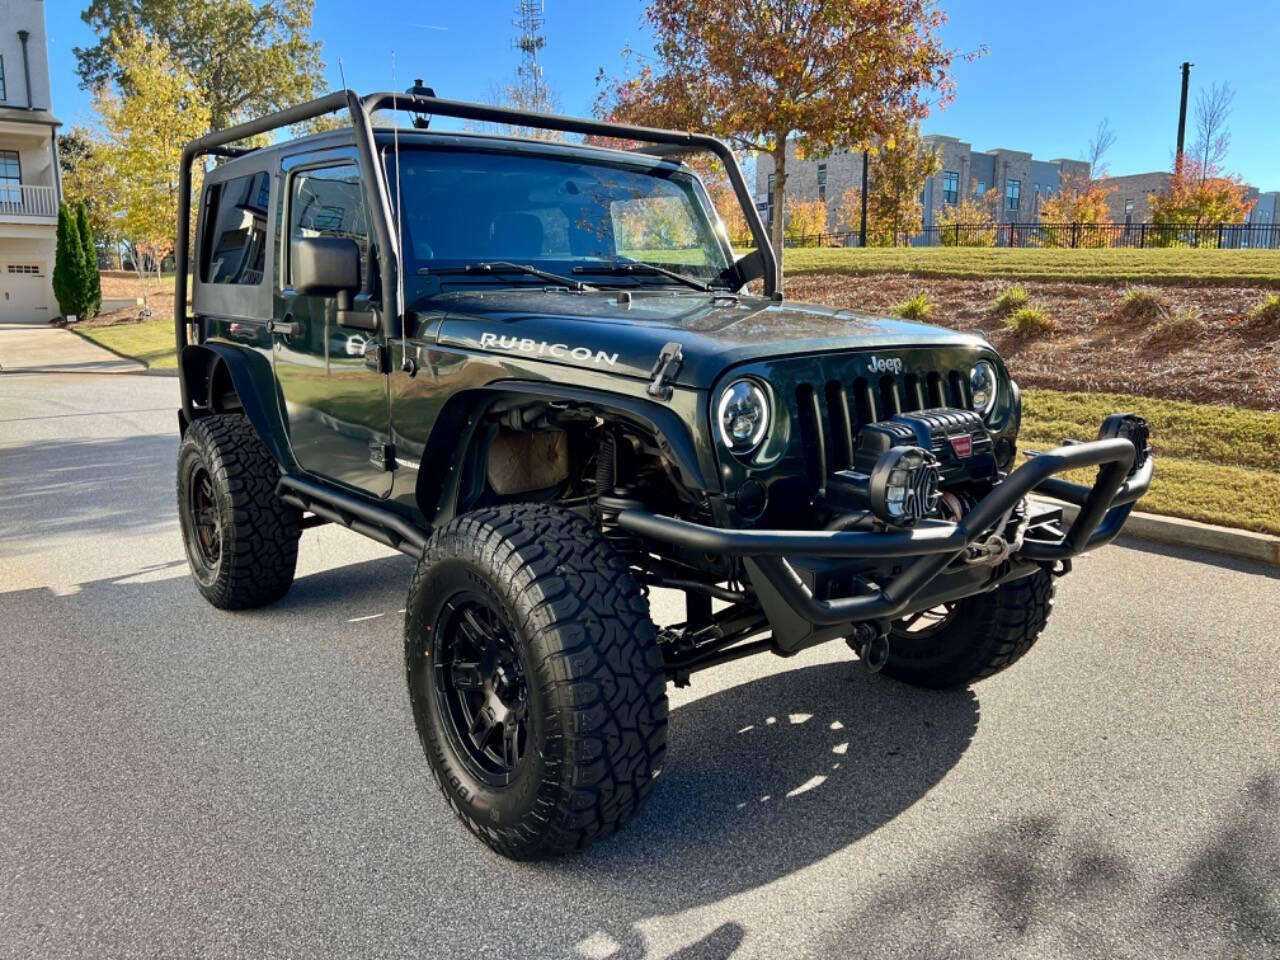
x,y
1218,236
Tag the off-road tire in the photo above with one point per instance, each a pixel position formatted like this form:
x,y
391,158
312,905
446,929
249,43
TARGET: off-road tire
x,y
987,633
256,541
596,693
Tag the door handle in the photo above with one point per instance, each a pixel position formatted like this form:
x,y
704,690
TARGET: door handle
x,y
286,328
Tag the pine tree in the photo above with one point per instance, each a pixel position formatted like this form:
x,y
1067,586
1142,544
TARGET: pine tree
x,y
92,278
68,269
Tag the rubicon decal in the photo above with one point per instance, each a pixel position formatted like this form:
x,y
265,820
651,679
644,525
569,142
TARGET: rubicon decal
x,y
542,348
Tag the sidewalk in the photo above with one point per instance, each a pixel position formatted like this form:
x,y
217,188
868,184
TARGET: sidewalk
x,y
37,348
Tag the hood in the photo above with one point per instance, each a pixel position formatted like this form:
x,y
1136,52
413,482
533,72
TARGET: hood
x,y
598,331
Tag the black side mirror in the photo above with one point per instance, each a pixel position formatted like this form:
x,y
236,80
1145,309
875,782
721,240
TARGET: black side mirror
x,y
330,267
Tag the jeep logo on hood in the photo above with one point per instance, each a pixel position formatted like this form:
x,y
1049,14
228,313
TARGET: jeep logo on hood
x,y
884,364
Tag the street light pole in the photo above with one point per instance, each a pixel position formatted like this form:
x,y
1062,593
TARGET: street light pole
x,y
1182,115
862,229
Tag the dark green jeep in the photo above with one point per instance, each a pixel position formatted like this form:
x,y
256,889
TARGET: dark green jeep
x,y
535,368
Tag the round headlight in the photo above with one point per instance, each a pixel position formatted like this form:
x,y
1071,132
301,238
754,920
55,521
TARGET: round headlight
x,y
983,386
742,416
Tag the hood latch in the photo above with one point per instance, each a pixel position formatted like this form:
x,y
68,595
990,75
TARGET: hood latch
x,y
668,364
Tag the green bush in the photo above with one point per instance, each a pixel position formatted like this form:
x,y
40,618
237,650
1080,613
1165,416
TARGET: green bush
x,y
917,308
1268,310
92,276
70,283
1144,304
1028,321
1010,300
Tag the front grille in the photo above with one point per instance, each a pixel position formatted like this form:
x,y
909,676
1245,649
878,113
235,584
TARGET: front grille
x,y
831,413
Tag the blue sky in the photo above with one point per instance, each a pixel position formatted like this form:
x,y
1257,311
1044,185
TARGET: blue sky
x,y
1052,71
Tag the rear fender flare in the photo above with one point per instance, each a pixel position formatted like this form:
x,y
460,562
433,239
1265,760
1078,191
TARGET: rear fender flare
x,y
206,369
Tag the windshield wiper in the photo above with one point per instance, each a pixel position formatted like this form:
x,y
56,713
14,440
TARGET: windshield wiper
x,y
622,268
506,266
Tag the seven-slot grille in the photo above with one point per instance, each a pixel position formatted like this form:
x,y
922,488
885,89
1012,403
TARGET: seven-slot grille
x,y
830,414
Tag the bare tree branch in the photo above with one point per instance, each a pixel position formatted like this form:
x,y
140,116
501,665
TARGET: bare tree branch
x,y
1213,138
1102,142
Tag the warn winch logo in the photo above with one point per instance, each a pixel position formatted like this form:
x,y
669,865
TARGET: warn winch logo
x,y
962,445
884,364
541,348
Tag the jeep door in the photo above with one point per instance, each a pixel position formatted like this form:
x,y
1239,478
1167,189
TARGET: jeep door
x,y
334,395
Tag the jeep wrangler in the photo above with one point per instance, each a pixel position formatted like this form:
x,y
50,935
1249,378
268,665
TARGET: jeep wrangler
x,y
536,368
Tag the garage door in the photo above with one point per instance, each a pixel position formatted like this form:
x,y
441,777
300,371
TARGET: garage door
x,y
24,292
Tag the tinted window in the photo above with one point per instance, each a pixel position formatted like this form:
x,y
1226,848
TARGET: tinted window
x,y
465,207
235,234
328,202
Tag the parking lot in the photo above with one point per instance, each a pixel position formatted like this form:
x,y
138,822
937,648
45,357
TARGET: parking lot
x,y
176,780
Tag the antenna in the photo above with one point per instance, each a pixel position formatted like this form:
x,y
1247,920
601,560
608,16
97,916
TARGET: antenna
x,y
342,74
406,364
530,17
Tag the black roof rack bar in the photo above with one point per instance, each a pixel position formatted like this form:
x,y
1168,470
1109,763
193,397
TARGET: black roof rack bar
x,y
220,143
484,113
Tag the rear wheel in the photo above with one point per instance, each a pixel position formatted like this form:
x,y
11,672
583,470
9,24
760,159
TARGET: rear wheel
x,y
242,541
957,643
535,678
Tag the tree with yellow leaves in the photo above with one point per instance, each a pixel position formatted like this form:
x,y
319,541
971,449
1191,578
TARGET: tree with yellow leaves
x,y
1078,200
147,117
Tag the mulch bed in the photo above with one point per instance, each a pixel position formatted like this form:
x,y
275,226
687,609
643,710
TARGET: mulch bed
x,y
1220,355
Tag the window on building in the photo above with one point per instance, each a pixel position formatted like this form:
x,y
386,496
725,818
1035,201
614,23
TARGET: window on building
x,y
10,177
982,188
822,182
1128,211
4,93
950,186
1012,194
772,180
234,245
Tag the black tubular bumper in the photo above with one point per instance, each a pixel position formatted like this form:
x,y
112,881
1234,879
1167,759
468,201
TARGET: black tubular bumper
x,y
934,545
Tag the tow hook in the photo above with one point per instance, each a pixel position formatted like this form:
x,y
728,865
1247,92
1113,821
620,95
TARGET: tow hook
x,y
871,643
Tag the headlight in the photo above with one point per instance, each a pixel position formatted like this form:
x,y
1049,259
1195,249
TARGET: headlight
x,y
904,485
742,416
983,386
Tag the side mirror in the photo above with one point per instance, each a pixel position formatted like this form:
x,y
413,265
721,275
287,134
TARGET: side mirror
x,y
330,267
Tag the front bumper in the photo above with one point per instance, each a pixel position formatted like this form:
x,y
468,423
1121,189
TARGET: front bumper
x,y
930,573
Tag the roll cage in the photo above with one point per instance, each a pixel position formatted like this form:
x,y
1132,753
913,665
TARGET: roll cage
x,y
763,263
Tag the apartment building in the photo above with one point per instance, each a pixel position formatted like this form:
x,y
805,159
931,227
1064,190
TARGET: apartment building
x,y
1021,182
30,186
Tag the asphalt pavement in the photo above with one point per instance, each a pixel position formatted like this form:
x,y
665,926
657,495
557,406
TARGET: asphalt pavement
x,y
178,781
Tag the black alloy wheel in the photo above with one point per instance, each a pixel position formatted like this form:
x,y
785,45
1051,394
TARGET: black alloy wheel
x,y
481,687
206,525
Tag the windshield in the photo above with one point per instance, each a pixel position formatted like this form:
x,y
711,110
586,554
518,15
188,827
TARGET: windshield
x,y
560,214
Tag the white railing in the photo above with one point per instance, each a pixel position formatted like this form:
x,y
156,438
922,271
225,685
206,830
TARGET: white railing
x,y
28,201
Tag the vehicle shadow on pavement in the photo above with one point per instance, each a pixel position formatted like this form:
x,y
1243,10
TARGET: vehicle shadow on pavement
x,y
83,487
764,779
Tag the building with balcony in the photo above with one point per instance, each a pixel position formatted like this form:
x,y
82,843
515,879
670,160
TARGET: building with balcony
x,y
30,186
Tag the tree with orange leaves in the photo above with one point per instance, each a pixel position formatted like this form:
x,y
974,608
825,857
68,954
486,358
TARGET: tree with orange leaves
x,y
826,74
1078,200
1195,200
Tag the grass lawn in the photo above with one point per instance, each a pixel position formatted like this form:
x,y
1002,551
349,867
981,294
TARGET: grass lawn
x,y
1243,267
1216,464
149,341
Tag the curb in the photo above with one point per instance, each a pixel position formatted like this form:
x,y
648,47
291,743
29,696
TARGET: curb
x,y
1177,532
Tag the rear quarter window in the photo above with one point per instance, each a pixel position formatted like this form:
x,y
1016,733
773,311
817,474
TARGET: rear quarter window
x,y
234,243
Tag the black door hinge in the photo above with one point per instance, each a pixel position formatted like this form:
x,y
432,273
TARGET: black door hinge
x,y
665,369
382,455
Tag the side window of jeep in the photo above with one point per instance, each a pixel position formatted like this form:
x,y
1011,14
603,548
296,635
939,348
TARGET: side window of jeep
x,y
329,202
234,245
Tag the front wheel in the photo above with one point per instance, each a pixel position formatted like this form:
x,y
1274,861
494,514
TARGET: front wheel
x,y
535,678
957,643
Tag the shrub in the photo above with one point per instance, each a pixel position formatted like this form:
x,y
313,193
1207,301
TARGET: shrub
x,y
1028,321
806,219
1010,300
92,277
70,282
1268,310
917,308
1145,304
1180,328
